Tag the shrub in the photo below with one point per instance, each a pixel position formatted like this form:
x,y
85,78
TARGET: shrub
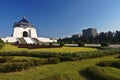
x,y
81,44
7,58
62,44
17,61
16,66
38,62
62,59
104,44
19,65
50,44
11,67
97,73
105,63
65,56
43,44
53,60
110,63
2,60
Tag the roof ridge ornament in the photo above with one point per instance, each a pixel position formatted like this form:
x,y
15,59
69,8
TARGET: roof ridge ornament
x,y
23,23
24,17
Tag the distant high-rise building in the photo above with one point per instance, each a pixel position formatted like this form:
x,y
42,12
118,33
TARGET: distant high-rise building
x,y
90,32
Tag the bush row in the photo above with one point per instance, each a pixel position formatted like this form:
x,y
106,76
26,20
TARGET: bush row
x,y
81,44
4,59
11,67
34,46
110,63
65,56
97,73
19,65
104,44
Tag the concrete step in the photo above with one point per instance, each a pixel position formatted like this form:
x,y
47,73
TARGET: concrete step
x,y
29,40
21,41
37,41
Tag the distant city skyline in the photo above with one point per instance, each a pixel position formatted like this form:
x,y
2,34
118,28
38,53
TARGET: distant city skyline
x,y
60,18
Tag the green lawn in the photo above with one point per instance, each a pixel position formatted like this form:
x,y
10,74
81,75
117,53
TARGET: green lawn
x,y
9,47
64,70
69,70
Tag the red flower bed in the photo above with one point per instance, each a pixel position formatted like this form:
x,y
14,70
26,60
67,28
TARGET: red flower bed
x,y
34,46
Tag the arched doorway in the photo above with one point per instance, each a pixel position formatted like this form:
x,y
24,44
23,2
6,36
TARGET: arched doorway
x,y
25,34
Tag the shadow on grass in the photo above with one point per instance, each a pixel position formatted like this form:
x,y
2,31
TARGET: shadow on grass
x,y
85,75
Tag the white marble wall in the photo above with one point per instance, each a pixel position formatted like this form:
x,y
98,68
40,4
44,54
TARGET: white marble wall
x,y
9,39
18,32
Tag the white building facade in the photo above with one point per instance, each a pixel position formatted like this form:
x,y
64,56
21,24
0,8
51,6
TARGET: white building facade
x,y
25,32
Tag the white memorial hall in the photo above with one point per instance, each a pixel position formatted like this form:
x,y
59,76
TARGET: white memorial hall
x,y
25,33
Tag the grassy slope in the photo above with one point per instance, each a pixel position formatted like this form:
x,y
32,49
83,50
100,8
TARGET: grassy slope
x,y
8,47
69,70
112,71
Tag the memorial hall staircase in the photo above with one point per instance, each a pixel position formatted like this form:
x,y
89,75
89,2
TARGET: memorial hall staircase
x,y
28,40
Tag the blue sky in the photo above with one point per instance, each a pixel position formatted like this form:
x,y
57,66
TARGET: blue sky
x,y
60,18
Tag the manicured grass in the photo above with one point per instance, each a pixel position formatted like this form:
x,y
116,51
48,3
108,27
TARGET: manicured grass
x,y
9,47
112,72
63,71
65,49
68,70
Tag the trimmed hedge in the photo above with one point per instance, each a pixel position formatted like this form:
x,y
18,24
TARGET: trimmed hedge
x,y
34,46
97,73
104,44
19,65
53,60
110,63
50,44
81,44
11,67
65,56
4,59
62,44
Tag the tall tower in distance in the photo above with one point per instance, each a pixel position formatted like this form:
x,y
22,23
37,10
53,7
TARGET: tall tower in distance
x,y
90,32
